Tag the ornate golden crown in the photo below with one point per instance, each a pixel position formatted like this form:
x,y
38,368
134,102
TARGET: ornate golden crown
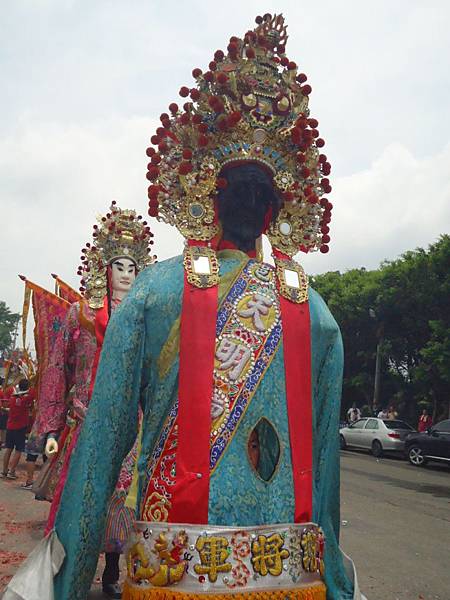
x,y
120,233
251,105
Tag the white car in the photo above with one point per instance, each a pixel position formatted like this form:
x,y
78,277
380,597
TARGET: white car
x,y
377,435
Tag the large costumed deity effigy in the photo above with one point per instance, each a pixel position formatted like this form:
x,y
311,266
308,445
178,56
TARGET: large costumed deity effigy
x,y
236,363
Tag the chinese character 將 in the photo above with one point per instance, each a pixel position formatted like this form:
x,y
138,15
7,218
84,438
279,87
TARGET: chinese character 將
x,y
257,308
310,547
213,552
232,356
268,554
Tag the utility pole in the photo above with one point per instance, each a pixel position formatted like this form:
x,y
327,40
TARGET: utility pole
x,y
376,385
377,378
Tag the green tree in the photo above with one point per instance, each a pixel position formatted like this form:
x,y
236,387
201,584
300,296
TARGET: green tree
x,y
414,295
408,299
8,323
433,373
349,297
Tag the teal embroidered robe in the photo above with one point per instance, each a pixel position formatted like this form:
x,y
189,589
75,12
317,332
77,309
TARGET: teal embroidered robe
x,y
128,374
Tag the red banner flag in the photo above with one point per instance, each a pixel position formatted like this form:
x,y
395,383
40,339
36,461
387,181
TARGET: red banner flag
x,y
49,313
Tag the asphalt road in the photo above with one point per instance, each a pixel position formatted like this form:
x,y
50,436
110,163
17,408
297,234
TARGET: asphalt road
x,y
395,524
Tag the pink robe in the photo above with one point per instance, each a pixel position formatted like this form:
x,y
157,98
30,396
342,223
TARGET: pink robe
x,y
64,386
64,402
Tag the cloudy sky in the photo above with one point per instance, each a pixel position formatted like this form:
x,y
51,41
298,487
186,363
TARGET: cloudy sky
x,y
83,83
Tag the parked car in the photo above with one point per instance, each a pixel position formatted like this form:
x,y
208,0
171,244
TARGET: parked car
x,y
432,444
377,435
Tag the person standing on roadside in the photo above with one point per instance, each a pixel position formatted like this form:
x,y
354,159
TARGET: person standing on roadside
x,y
353,413
425,421
383,414
16,428
3,413
392,413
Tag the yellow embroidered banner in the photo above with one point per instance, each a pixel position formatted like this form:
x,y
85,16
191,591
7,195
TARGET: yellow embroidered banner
x,y
25,311
65,291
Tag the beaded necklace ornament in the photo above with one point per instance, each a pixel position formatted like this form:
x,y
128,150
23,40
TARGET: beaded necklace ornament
x,y
251,105
120,233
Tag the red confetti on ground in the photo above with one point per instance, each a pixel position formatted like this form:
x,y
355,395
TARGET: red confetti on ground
x,y
19,527
4,579
11,558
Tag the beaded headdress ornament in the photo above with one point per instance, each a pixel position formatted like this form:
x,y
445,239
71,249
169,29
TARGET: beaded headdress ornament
x,y
121,233
251,105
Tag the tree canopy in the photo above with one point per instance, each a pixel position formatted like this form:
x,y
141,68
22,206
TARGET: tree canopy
x,y
8,323
404,308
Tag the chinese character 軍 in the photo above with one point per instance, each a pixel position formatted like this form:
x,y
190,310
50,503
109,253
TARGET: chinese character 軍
x,y
234,356
213,552
256,309
268,554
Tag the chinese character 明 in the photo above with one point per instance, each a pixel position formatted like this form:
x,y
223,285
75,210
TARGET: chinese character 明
x,y
256,308
213,552
268,554
234,356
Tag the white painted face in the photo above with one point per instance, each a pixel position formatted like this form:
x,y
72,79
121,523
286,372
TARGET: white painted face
x,y
123,274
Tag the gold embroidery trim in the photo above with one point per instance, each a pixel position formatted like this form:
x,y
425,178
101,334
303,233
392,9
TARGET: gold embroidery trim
x,y
193,254
299,295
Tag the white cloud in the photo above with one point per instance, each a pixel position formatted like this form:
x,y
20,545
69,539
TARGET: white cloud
x,y
399,203
55,180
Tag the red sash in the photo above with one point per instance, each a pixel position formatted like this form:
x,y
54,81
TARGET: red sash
x,y
190,498
197,345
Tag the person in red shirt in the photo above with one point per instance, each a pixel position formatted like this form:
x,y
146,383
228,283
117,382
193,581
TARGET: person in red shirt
x,y
5,397
16,428
3,414
425,421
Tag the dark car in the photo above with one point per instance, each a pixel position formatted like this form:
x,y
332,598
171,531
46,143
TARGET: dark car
x,y
433,444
